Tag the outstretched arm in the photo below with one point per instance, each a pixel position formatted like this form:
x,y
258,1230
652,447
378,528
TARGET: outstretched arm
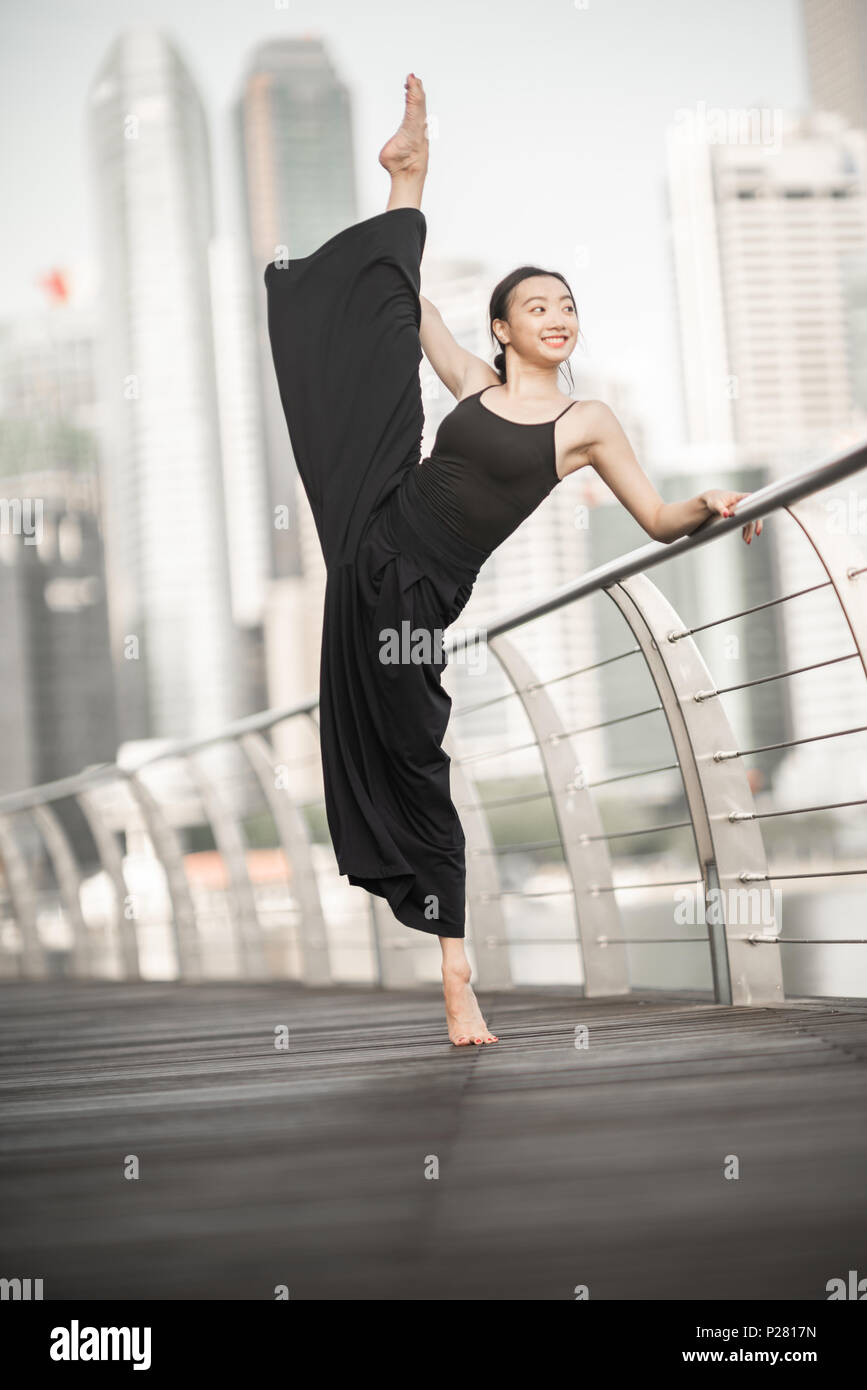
x,y
457,368
613,457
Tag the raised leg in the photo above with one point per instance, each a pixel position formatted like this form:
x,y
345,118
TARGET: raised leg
x,y
405,155
344,329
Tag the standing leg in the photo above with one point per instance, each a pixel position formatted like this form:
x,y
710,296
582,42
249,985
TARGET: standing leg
x,y
344,328
463,1014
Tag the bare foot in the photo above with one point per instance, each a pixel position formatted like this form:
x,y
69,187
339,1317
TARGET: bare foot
x,y
407,150
464,1017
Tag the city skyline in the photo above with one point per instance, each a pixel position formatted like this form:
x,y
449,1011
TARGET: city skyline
x,y
278,199
476,201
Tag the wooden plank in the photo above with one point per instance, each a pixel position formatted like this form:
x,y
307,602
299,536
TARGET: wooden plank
x,y
558,1166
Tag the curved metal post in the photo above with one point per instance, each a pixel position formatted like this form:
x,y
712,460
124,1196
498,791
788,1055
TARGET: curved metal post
x,y
20,885
295,840
68,877
231,845
188,954
597,912
731,851
841,563
112,863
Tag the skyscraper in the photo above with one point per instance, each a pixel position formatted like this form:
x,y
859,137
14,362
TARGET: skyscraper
x,y
767,236
836,38
165,525
56,700
56,697
763,239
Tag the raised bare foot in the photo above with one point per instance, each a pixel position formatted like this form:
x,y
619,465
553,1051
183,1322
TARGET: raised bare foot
x,y
407,150
464,1017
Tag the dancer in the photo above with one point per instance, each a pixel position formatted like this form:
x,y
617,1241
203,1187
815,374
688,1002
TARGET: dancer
x,y
403,538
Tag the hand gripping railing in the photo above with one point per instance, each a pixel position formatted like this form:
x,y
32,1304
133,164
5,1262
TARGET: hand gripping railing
x,y
722,817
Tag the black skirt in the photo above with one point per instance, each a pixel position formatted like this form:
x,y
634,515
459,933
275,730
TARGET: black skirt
x,y
344,329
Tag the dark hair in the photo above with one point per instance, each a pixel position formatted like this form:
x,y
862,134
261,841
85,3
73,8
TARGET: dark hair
x,y
499,309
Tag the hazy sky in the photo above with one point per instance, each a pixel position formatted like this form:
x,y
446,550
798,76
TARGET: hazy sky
x,y
549,121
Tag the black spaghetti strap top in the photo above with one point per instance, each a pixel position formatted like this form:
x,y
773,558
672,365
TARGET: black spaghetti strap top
x,y
485,474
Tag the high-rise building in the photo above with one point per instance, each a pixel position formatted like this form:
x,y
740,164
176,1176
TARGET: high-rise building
x,y
835,36
56,693
234,320
767,240
763,239
855,290
56,684
245,484
47,376
166,540
835,32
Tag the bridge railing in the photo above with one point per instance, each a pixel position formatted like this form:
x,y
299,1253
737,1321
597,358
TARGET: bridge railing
x,y
210,858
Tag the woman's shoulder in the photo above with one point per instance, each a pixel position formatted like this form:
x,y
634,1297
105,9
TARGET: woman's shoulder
x,y
592,413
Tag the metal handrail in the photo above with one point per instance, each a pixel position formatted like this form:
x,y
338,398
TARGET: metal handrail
x,y
773,497
728,844
77,781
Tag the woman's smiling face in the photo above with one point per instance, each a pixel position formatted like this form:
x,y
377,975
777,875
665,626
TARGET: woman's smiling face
x,y
543,321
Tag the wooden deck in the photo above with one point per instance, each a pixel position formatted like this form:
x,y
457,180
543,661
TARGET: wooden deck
x,y
558,1166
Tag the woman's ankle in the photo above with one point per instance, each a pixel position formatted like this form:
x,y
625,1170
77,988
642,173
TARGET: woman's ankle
x,y
406,191
456,967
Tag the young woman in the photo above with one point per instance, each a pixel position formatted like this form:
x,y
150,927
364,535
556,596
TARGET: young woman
x,y
404,538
